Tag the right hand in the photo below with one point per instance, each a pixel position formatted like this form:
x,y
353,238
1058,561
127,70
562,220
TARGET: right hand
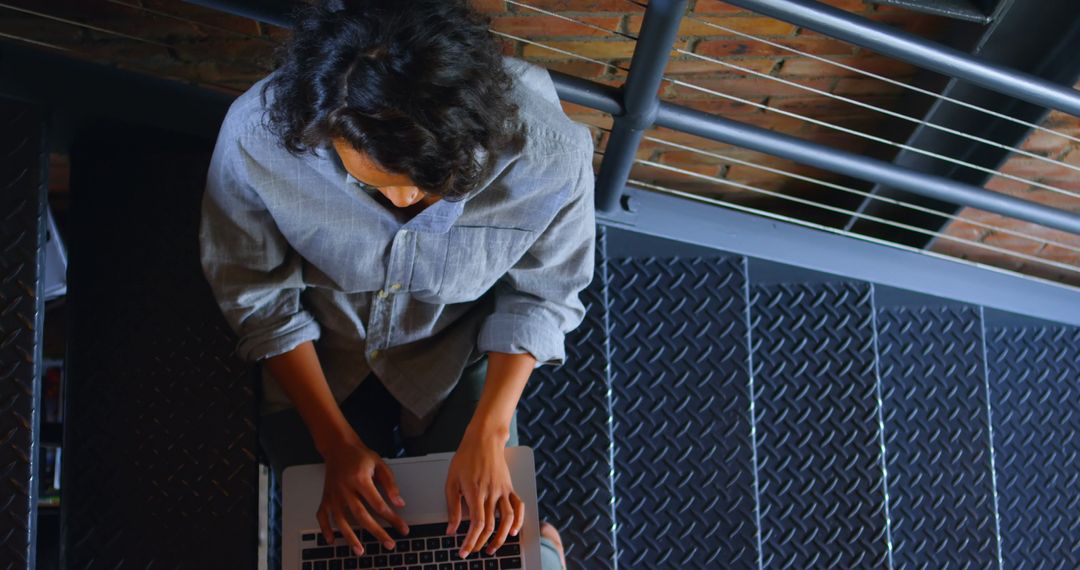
x,y
352,469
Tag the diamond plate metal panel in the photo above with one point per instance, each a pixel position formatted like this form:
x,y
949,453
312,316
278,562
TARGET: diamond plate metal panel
x,y
273,530
937,438
684,478
563,415
1035,404
818,440
22,239
159,459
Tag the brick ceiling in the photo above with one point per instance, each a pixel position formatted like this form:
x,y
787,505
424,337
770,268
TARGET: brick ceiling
x,y
174,39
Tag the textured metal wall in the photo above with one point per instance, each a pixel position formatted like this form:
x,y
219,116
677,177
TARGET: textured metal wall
x,y
937,437
819,452
159,458
1035,401
564,416
22,238
684,476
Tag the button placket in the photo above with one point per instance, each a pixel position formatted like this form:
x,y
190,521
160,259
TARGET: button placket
x,y
381,318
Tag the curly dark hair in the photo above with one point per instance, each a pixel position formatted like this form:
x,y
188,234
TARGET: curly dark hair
x,y
418,86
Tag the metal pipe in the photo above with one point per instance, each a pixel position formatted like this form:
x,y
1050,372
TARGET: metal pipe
x,y
639,101
858,166
733,132
273,12
587,93
918,51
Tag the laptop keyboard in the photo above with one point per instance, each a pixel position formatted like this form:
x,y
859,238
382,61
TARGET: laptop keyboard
x,y
426,548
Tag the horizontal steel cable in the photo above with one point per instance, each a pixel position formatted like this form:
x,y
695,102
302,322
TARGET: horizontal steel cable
x,y
826,124
842,188
879,77
754,189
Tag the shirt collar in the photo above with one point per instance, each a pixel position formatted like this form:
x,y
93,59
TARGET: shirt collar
x,y
439,216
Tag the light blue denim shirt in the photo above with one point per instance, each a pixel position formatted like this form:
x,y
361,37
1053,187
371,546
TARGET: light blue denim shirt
x,y
296,249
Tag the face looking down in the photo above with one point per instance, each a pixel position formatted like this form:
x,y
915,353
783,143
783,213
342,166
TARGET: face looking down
x,y
397,188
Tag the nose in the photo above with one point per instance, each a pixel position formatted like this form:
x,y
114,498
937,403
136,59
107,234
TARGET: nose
x,y
403,196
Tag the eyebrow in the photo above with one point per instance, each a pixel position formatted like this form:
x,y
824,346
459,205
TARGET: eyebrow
x,y
361,182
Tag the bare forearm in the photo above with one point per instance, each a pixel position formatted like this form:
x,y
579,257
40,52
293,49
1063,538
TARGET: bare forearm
x,y
507,375
301,378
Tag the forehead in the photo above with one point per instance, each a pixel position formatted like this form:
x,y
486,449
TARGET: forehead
x,y
365,170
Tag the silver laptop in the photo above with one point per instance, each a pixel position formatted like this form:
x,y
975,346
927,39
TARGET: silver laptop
x,y
421,481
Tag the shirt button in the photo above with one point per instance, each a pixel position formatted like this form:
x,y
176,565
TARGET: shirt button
x,y
382,294
395,286
374,354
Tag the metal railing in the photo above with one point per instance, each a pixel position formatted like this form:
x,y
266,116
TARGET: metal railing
x,y
635,108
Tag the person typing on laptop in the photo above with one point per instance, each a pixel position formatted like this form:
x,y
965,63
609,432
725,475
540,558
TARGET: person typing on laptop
x,y
400,243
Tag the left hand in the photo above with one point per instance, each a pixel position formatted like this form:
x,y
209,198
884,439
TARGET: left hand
x,y
479,475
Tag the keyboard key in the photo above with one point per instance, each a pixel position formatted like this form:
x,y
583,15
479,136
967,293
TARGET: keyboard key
x,y
441,556
509,563
395,560
446,566
491,564
334,565
321,540
320,565
372,548
351,563
513,539
366,562
343,551
461,565
448,542
380,561
307,566
418,544
476,565
460,540
431,567
508,550
412,558
427,558
433,543
403,546
426,530
308,537
316,553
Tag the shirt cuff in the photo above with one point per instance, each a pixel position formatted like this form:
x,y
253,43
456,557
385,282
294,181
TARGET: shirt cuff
x,y
279,338
517,334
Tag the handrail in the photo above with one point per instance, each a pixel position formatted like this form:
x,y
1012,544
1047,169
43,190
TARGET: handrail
x,y
611,99
639,102
917,51
273,12
716,128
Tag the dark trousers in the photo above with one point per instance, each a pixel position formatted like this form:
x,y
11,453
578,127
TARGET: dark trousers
x,y
375,414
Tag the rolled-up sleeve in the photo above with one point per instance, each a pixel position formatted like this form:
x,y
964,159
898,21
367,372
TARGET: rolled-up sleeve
x,y
538,301
255,275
